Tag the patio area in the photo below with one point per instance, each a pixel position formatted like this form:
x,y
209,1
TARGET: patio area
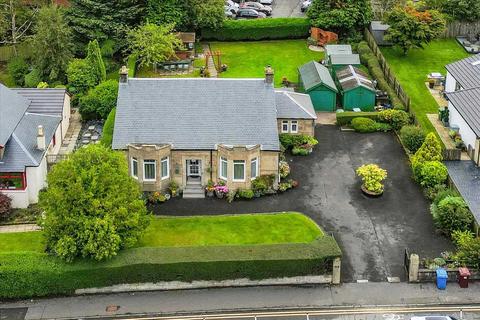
x,y
443,134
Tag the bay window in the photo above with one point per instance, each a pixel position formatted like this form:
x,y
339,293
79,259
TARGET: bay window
x,y
238,170
149,170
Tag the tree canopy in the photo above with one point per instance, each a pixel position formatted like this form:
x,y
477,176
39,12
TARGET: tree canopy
x,y
92,207
16,20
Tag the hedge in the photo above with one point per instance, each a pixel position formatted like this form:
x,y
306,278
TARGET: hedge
x,y
107,132
344,118
30,274
132,65
259,29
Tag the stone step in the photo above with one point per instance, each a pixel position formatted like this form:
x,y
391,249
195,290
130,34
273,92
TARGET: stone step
x,y
198,189
194,182
193,194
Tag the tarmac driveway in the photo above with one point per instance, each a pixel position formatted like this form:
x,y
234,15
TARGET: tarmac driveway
x,y
373,233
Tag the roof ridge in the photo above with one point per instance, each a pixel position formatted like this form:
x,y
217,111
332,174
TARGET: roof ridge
x,y
295,101
24,149
42,115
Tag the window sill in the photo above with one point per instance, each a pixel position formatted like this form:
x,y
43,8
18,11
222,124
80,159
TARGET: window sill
x,y
165,178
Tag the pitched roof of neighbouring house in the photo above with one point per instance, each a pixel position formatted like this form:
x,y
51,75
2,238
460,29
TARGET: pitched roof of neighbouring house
x,y
314,74
466,71
44,101
378,26
337,49
467,103
351,77
292,105
196,114
344,59
12,108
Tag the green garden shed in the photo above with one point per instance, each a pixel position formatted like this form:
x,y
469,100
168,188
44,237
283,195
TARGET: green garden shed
x,y
356,89
340,61
316,80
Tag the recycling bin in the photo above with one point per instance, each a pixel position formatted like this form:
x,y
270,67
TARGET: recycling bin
x,y
442,279
463,277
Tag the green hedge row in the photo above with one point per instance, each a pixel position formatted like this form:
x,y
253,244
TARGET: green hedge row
x,y
29,274
344,118
259,29
369,59
107,133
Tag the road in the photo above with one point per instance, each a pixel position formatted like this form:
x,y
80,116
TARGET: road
x,y
286,8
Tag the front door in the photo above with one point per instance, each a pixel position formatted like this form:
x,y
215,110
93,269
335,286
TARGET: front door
x,y
193,168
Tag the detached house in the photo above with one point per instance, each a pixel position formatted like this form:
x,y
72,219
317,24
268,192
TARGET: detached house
x,y
33,123
194,130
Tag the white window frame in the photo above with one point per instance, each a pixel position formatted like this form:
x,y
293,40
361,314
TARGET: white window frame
x,y
294,123
220,171
236,162
285,122
150,161
167,160
133,164
256,168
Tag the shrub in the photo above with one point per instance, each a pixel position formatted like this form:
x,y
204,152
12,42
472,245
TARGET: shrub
x,y
290,141
99,101
344,118
18,68
81,76
396,118
246,194
364,125
430,150
412,137
95,59
231,194
384,127
452,214
5,205
299,151
468,249
372,176
33,78
132,65
442,194
284,169
259,29
107,133
432,173
262,184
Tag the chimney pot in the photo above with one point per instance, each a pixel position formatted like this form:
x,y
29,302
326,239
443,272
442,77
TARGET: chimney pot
x,y
124,74
269,75
41,144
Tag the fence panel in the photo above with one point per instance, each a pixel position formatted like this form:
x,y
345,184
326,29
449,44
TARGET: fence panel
x,y
452,154
460,28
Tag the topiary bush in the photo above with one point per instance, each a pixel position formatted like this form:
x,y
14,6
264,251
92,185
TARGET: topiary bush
x,y
372,176
99,101
5,205
412,137
18,68
431,150
396,118
364,125
452,214
432,173
107,133
344,118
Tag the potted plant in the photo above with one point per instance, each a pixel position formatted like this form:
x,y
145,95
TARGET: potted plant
x,y
173,187
221,189
210,188
372,177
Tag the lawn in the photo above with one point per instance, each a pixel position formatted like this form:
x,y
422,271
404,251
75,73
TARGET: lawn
x,y
412,70
248,59
21,241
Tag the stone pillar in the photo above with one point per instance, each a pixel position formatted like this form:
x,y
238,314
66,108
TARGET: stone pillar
x,y
337,264
413,268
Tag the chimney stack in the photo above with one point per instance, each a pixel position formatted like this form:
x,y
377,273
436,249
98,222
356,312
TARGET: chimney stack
x,y
269,75
41,138
124,74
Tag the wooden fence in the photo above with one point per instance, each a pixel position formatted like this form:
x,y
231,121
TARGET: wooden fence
x,y
452,154
460,28
8,52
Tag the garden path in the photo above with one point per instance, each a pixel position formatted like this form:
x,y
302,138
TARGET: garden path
x,y
19,228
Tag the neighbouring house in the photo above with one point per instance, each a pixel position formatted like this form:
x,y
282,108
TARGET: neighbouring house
x,y
33,123
315,80
340,55
378,30
184,56
462,89
356,89
194,130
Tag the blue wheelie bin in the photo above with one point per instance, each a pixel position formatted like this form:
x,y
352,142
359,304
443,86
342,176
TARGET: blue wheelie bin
x,y
442,279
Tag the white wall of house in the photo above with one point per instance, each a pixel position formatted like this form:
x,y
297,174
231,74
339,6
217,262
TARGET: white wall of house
x,y
54,149
455,119
19,197
450,83
36,180
65,118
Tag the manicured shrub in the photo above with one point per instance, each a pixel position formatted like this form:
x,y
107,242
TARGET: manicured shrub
x,y
33,78
412,137
5,205
132,65
290,141
372,177
18,68
364,125
284,169
299,151
107,133
95,59
246,194
431,150
396,118
99,101
432,173
452,214
383,127
81,76
345,118
259,29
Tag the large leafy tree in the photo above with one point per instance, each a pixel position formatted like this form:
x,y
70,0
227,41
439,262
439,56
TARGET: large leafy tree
x,y
168,12
153,44
463,10
52,44
16,20
92,207
410,28
103,19
341,16
207,13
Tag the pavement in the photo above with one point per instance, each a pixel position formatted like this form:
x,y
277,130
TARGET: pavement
x,y
286,8
12,228
259,299
373,233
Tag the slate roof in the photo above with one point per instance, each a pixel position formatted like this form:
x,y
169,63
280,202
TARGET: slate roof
x,y
466,73
314,74
292,105
378,25
12,108
196,114
466,177
350,77
338,49
44,101
467,103
344,59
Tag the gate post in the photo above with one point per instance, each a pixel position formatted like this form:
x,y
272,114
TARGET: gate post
x,y
337,263
413,268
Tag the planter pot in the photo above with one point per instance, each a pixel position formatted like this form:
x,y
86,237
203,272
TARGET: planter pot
x,y
370,193
210,194
219,195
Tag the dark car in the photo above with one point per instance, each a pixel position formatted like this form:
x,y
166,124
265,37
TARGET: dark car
x,y
246,13
258,7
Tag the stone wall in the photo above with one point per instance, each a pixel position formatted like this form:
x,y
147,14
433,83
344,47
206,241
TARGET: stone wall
x,y
305,126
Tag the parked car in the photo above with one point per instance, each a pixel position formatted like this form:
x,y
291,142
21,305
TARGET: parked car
x,y
258,7
247,13
231,9
264,2
305,5
228,13
230,3
433,318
